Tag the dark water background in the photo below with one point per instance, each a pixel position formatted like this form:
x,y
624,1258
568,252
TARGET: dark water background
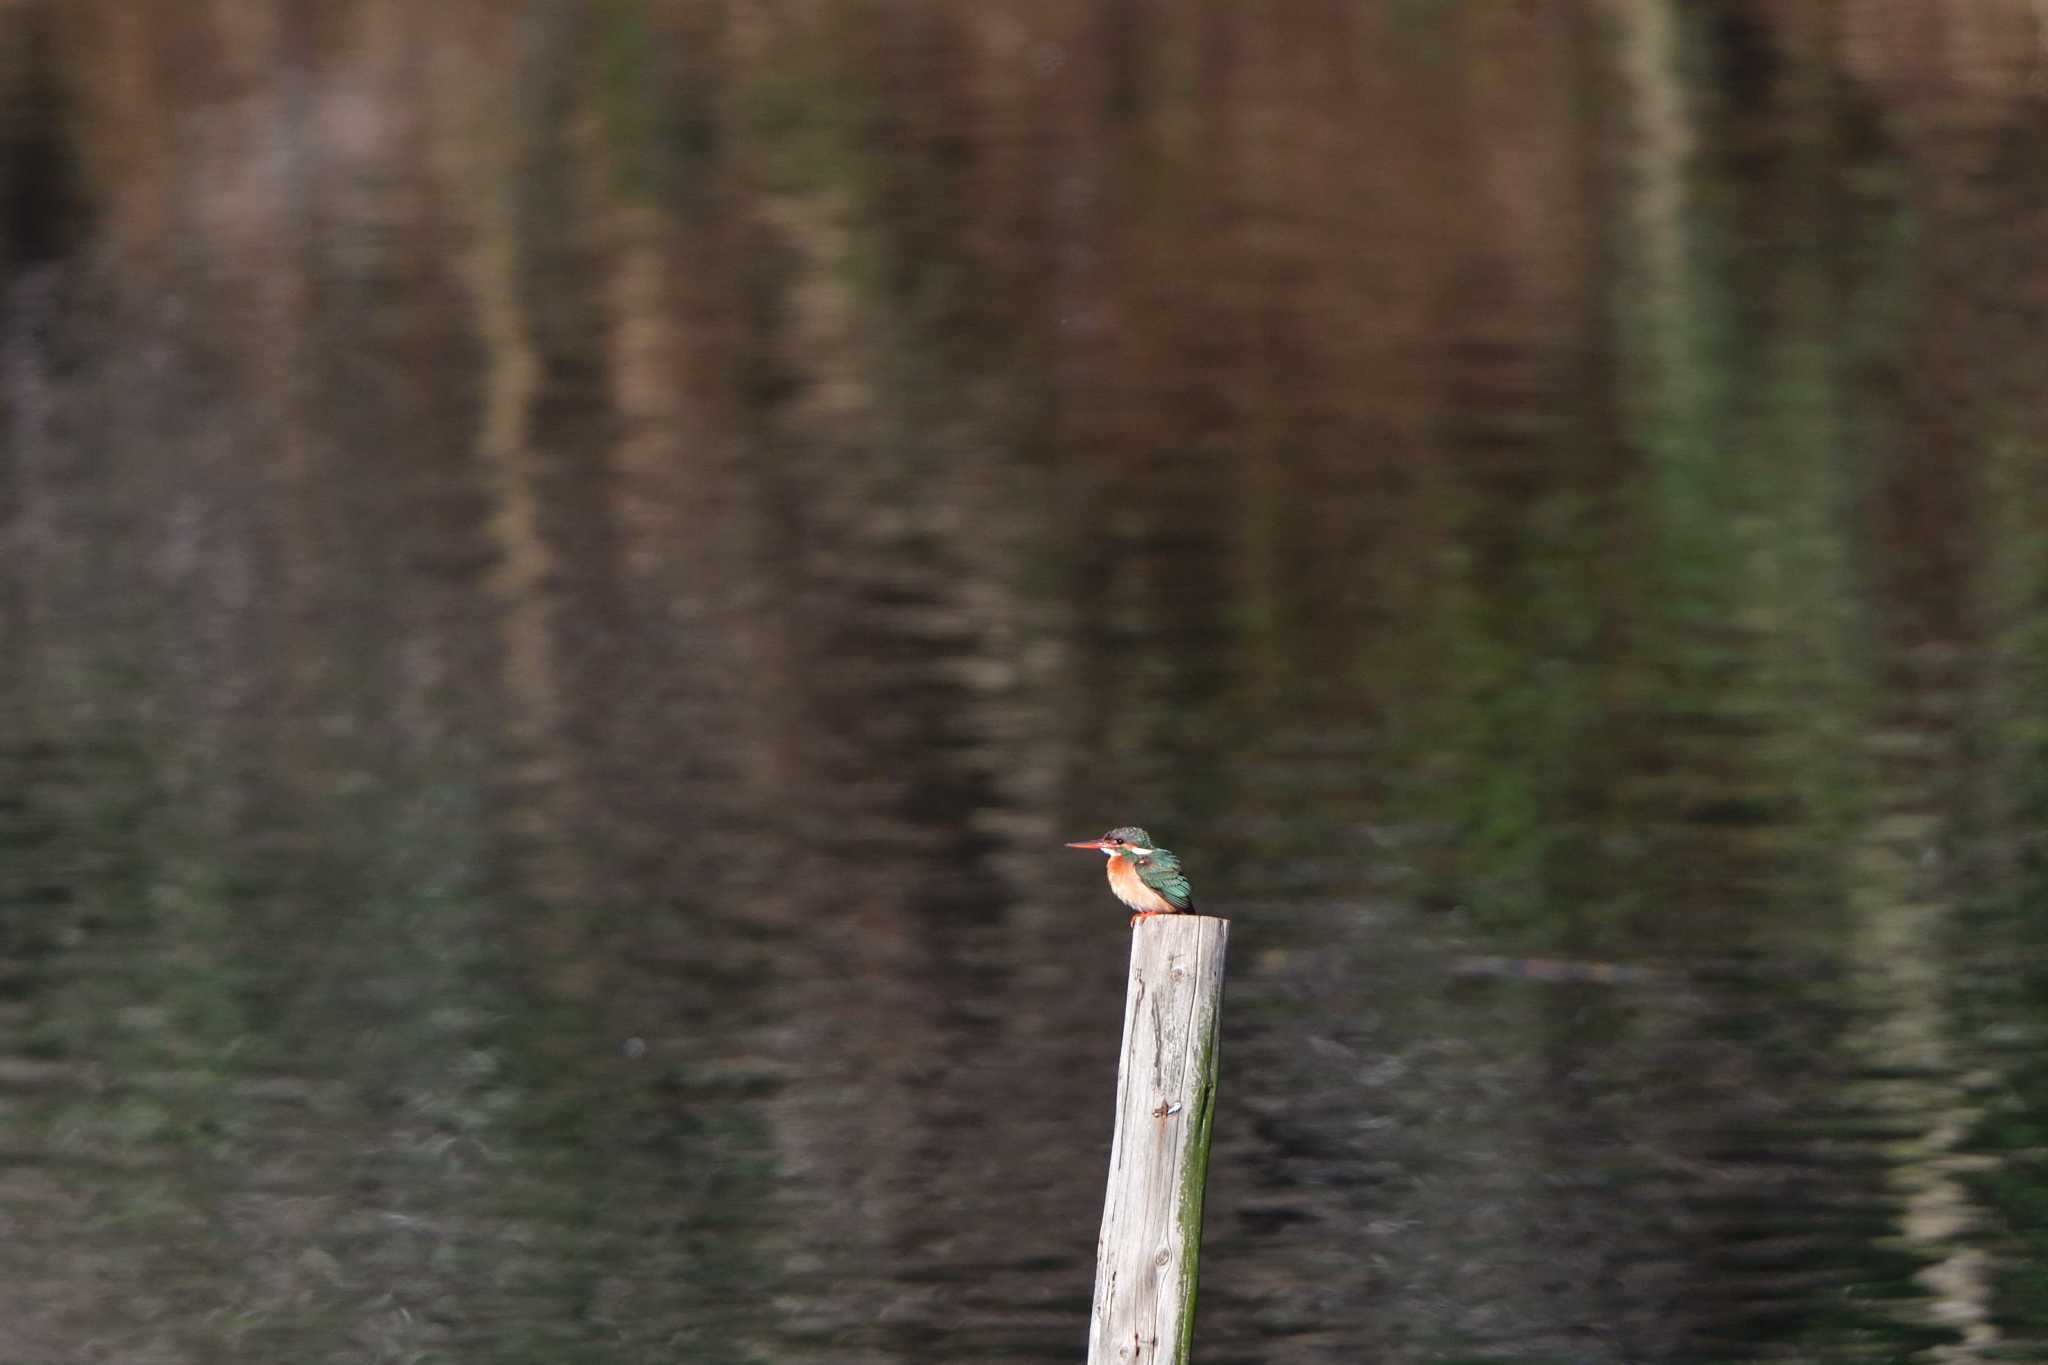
x,y
566,568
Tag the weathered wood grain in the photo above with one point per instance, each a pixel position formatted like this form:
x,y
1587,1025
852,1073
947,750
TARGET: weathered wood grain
x,y
1159,1161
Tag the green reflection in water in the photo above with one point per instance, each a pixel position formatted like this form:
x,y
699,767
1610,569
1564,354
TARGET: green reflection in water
x,y
2002,998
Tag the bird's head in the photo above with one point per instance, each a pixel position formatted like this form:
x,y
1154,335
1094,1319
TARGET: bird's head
x,y
1123,839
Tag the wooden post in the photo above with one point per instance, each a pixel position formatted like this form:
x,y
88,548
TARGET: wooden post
x,y
1159,1161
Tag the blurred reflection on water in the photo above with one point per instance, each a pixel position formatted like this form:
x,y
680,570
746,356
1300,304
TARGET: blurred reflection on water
x,y
567,568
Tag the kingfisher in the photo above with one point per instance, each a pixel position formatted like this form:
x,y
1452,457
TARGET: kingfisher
x,y
1144,876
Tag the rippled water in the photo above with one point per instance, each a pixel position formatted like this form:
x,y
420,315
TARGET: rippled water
x,y
565,575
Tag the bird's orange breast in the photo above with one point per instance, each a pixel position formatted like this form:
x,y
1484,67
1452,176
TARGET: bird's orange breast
x,y
1130,888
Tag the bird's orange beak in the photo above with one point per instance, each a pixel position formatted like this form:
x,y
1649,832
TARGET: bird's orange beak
x,y
1095,844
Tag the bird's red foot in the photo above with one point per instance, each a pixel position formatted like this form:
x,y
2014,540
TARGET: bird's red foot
x,y
1144,914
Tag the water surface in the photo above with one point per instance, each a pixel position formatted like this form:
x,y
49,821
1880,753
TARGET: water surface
x,y
565,573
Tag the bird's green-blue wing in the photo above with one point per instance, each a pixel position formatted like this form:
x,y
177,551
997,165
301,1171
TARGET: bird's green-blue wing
x,y
1160,870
